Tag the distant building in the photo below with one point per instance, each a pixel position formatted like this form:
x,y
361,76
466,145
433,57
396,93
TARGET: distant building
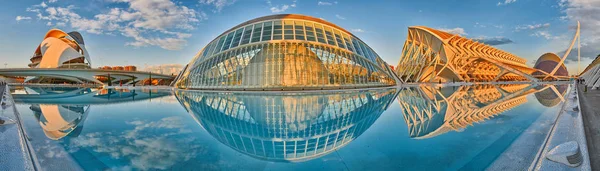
x,y
61,50
118,68
106,68
130,68
546,63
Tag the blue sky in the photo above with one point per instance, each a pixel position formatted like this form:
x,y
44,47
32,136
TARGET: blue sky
x,y
171,32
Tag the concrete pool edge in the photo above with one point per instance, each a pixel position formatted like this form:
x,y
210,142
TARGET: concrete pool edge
x,y
16,149
568,127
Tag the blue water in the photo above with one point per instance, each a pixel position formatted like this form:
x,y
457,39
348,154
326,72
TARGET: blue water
x,y
416,128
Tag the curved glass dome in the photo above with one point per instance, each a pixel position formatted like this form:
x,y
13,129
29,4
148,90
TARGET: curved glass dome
x,y
286,52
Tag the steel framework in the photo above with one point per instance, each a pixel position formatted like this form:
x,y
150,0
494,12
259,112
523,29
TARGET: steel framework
x,y
431,55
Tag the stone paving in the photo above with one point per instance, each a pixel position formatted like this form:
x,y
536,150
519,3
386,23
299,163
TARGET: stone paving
x,y
14,153
591,121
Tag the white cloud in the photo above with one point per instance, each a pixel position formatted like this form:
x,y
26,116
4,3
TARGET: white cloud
x,y
357,30
544,34
160,23
532,26
19,18
281,8
585,11
52,1
150,145
340,17
324,3
218,4
457,30
506,2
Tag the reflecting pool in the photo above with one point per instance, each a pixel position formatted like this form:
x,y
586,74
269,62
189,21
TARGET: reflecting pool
x,y
409,128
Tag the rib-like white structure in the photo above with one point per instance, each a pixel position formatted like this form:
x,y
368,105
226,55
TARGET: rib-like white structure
x,y
61,50
591,74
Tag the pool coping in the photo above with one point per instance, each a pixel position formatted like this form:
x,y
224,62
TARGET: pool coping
x,y
16,144
567,127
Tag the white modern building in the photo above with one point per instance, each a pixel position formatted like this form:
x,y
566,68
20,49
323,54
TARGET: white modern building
x,y
286,52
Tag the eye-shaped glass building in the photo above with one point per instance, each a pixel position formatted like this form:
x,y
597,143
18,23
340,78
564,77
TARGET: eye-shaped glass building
x,y
286,52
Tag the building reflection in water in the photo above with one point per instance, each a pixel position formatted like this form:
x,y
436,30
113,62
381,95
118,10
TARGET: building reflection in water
x,y
432,111
58,121
61,111
286,127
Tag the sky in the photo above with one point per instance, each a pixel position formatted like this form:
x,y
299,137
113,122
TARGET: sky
x,y
166,34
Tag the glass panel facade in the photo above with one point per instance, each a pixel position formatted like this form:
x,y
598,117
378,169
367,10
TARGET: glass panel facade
x,y
286,54
267,28
247,34
287,66
237,37
277,30
288,30
299,30
256,33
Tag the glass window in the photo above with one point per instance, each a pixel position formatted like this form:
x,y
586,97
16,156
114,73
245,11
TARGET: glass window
x,y
228,41
277,30
357,47
247,33
338,39
219,45
237,37
208,49
256,33
329,35
366,52
288,30
266,33
348,42
320,34
310,31
299,30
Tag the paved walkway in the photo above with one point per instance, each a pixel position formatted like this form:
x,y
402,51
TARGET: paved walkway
x,y
14,152
590,109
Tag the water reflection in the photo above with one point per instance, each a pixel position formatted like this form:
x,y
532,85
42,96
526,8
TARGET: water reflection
x,y
58,121
551,95
316,130
286,127
430,111
78,95
61,111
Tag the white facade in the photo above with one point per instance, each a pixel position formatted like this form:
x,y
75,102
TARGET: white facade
x,y
61,50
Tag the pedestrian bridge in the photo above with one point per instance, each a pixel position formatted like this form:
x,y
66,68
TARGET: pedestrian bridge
x,y
85,75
